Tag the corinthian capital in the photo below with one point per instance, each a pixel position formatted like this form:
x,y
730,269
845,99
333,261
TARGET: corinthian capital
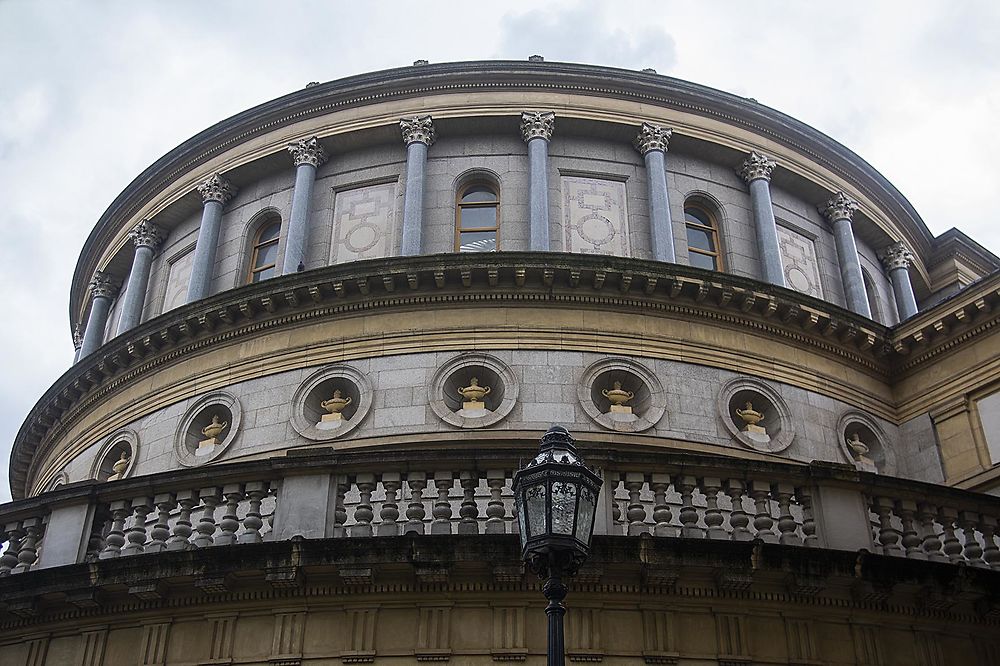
x,y
652,137
537,124
216,188
77,337
756,166
104,285
840,207
146,234
896,256
307,151
418,129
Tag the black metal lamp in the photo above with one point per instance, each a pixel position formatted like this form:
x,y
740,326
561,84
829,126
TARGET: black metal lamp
x,y
556,496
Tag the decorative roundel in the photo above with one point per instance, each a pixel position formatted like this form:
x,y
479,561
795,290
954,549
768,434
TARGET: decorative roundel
x,y
596,229
864,443
798,280
117,456
208,428
622,394
362,237
331,402
473,390
756,415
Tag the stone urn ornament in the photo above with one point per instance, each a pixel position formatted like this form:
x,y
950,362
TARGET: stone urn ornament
x,y
860,451
120,466
211,433
617,396
473,395
751,418
335,406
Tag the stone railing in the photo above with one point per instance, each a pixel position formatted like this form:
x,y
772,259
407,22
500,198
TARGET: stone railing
x,y
321,494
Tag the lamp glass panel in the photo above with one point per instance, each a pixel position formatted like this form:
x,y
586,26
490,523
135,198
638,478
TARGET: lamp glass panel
x,y
585,519
563,507
520,521
534,498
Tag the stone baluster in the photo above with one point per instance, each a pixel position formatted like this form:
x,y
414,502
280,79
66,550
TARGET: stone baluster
x,y
27,554
495,479
210,498
636,512
685,485
308,155
120,510
711,486
888,535
136,536
763,521
662,515
536,129
969,520
906,510
340,507
991,554
442,506
931,544
809,538
389,513
160,532
952,547
756,171
103,288
13,533
839,211
468,513
418,135
215,192
180,538
787,527
253,522
738,518
897,259
616,513
652,142
416,481
234,493
363,513
146,237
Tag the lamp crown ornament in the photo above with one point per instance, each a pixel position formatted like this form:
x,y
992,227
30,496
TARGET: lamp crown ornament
x,y
216,188
146,234
840,207
307,151
757,166
103,285
652,137
537,124
418,129
896,256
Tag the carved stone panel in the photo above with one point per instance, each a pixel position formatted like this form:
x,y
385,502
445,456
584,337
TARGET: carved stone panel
x,y
595,219
363,223
177,281
798,257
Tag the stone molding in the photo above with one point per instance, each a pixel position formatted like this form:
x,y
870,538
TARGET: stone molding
x,y
652,137
537,125
840,207
216,188
418,129
146,234
757,166
104,285
307,151
896,256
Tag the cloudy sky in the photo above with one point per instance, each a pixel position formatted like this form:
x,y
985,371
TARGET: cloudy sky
x,y
93,92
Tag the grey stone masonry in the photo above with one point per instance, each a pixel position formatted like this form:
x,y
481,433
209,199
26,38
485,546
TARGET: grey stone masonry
x,y
756,171
536,128
102,290
652,143
839,211
897,258
147,237
215,192
418,135
308,156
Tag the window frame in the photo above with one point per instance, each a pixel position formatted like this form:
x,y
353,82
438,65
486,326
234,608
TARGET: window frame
x,y
460,206
713,230
258,245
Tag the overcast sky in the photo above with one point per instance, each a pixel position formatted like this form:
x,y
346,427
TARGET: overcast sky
x,y
91,93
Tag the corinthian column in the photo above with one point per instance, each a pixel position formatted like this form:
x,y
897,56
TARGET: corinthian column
x,y
652,144
839,211
308,155
756,171
536,129
147,237
215,192
102,290
418,135
897,259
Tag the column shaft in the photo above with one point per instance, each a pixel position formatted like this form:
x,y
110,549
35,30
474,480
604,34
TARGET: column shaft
x,y
413,198
902,288
538,194
203,266
850,268
767,232
297,236
135,292
93,337
660,224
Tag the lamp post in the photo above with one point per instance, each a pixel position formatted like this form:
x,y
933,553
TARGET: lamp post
x,y
556,496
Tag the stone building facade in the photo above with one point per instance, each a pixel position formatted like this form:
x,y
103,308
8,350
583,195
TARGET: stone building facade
x,y
316,340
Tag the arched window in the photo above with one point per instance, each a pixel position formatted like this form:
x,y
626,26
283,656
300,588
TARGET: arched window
x,y
264,255
702,238
477,218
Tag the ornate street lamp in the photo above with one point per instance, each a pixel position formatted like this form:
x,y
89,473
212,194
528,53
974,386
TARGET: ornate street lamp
x,y
556,496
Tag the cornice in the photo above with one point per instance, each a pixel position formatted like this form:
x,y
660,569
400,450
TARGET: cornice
x,y
549,279
407,82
